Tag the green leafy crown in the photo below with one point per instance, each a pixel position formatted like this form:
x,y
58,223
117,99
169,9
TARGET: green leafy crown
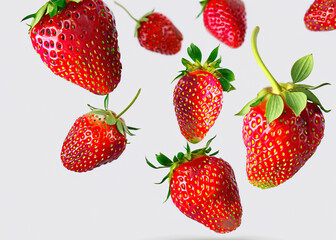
x,y
52,7
294,95
211,65
178,160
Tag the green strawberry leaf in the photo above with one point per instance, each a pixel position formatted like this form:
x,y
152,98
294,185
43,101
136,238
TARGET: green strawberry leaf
x,y
214,154
180,155
226,74
302,68
120,127
99,112
217,62
175,159
194,53
225,84
111,120
163,160
297,101
274,108
133,128
213,55
168,195
151,165
253,103
312,97
311,87
163,179
185,62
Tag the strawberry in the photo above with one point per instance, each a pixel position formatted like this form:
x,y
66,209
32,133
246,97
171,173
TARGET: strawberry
x,y
203,187
96,138
77,40
321,16
283,125
198,95
157,33
225,20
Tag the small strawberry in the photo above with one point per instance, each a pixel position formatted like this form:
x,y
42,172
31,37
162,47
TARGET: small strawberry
x,y
198,95
204,188
77,40
283,125
225,20
96,138
321,16
157,33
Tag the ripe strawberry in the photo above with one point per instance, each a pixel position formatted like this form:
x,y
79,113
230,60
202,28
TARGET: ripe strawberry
x,y
225,20
204,188
96,138
321,16
77,40
198,95
157,33
281,129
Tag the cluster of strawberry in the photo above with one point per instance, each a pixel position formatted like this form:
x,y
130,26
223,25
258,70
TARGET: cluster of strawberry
x,y
283,125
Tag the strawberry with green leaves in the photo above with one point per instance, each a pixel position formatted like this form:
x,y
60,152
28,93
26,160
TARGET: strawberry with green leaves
x,y
157,33
198,95
203,187
96,138
78,41
225,20
321,16
283,125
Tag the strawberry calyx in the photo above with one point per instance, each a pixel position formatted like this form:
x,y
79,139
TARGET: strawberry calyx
x,y
111,118
203,4
294,95
52,7
179,160
138,21
211,65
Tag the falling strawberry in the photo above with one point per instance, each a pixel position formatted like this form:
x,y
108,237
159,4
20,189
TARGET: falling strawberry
x,y
157,33
283,125
225,20
204,188
96,138
198,95
77,40
321,16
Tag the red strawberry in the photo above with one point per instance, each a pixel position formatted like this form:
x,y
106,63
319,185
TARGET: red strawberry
x,y
321,16
204,188
198,94
225,20
157,33
77,40
281,130
96,138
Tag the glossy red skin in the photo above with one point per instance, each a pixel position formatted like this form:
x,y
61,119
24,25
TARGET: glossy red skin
x,y
81,46
277,151
206,191
226,21
91,143
160,35
198,98
321,16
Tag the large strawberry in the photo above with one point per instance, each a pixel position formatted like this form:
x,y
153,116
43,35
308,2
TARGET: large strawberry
x,y
321,16
77,40
225,20
198,95
157,33
96,138
204,188
283,125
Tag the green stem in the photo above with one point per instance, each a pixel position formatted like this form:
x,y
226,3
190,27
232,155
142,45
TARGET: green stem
x,y
135,98
127,11
276,88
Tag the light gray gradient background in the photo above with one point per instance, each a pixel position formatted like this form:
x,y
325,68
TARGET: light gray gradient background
x,y
40,199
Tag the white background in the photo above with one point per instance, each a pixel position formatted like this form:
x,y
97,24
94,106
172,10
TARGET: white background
x,y
40,199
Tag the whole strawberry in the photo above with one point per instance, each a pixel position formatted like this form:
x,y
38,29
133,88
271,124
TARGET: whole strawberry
x,y
198,95
321,16
96,138
157,33
225,20
283,125
203,187
77,40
